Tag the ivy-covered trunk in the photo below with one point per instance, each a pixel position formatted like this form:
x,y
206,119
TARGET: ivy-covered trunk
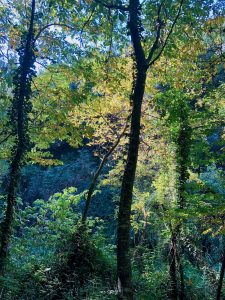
x,y
21,106
123,258
123,243
183,146
184,142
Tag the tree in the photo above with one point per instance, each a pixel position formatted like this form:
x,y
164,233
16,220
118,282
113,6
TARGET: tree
x,y
142,63
19,118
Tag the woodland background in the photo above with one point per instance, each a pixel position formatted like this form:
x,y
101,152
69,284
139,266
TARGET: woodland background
x,y
112,149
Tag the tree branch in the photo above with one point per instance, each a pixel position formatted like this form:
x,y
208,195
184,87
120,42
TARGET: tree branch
x,y
112,6
95,178
49,25
149,60
85,24
158,33
5,138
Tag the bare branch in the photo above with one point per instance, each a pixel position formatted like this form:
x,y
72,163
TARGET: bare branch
x,y
49,25
149,60
95,178
85,24
5,138
158,33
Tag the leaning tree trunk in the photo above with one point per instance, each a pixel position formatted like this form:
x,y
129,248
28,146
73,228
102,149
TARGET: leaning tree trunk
x,y
98,172
19,120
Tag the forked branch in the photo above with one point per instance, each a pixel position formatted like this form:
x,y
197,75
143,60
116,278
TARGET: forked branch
x,y
151,61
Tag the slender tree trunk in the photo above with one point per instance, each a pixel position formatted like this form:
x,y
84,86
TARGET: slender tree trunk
x,y
179,256
177,282
98,172
142,64
19,120
180,269
123,258
124,273
220,283
173,268
183,143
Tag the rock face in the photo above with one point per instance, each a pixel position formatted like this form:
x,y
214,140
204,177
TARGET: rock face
x,y
78,168
42,182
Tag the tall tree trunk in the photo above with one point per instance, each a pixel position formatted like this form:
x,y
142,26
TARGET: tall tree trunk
x,y
142,64
124,273
19,119
123,257
183,143
220,283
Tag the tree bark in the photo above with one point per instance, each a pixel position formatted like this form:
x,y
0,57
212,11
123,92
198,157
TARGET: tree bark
x,y
19,119
123,258
124,273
